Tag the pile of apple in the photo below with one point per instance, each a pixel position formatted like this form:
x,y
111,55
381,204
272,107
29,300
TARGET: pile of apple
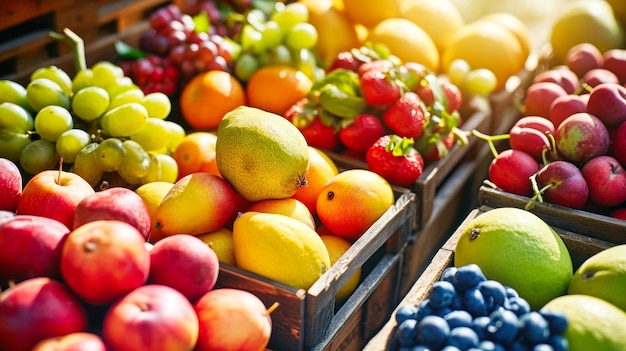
x,y
569,148
77,272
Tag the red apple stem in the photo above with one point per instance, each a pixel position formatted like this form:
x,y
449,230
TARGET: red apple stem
x,y
60,170
552,146
490,139
273,307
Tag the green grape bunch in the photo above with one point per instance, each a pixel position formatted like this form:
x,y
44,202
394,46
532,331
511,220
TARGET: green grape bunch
x,y
97,123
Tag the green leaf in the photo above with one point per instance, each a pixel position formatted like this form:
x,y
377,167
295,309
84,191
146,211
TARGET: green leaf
x,y
128,52
202,23
341,104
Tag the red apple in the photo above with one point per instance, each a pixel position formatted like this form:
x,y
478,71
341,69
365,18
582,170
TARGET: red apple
x,y
583,57
151,317
598,76
184,253
54,194
118,203
615,61
6,215
79,341
30,246
104,259
618,148
36,309
232,319
10,185
539,98
606,179
567,186
581,137
608,102
565,106
619,213
510,171
561,75
529,140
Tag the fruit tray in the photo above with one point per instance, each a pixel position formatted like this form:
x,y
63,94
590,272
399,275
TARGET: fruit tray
x,y
580,247
311,320
593,225
434,175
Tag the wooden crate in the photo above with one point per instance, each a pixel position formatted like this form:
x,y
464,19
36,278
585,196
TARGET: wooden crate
x,y
580,246
24,29
310,319
592,224
434,175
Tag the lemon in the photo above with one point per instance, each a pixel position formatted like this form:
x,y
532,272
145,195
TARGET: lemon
x,y
221,241
592,323
279,247
585,21
152,194
371,12
603,275
439,19
407,41
484,44
518,249
515,25
337,246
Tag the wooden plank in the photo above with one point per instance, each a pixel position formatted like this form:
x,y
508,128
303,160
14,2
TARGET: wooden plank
x,y
15,12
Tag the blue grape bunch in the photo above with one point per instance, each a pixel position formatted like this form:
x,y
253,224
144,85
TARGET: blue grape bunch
x,y
466,311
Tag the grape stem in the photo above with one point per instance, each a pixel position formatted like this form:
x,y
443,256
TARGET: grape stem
x,y
77,44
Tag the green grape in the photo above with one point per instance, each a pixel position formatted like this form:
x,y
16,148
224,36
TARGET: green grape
x,y
289,15
124,120
251,39
14,92
245,66
135,163
154,171
255,17
131,95
51,121
305,61
457,71
16,118
177,135
109,154
70,143
82,79
43,92
121,84
85,165
105,74
154,135
12,143
38,156
90,103
158,105
56,75
271,35
279,55
301,36
169,168
480,81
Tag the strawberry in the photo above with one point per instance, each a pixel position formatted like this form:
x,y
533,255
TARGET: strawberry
x,y
394,158
379,88
362,132
304,115
440,149
345,60
407,116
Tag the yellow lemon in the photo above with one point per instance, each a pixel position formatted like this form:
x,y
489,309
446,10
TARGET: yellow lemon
x,y
152,194
337,246
513,24
407,41
221,241
371,12
288,207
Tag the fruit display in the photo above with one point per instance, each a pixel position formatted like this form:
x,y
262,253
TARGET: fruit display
x,y
566,149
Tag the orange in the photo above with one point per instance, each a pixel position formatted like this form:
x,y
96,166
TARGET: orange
x,y
208,96
352,201
196,153
371,12
275,88
321,169
288,206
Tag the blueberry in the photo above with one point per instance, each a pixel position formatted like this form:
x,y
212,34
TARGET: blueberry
x,y
510,292
457,303
433,331
474,302
542,347
406,312
418,348
518,305
534,328
442,311
450,348
423,309
479,324
448,274
407,332
518,346
558,343
468,277
458,318
503,326
441,294
488,345
493,292
463,338
556,320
